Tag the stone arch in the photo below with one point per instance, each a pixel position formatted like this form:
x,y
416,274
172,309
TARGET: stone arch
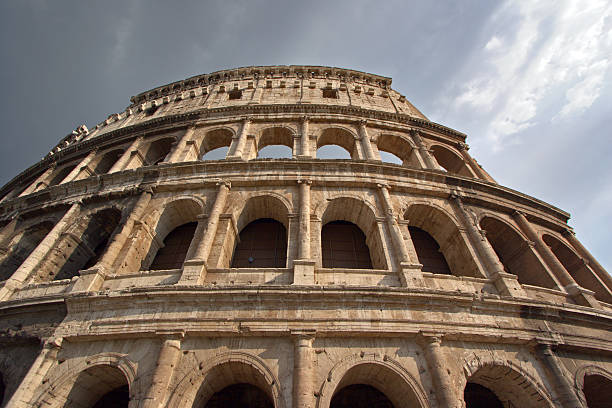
x,y
266,204
599,388
175,213
444,229
515,252
107,160
390,378
158,149
71,381
275,135
363,215
60,174
450,160
508,381
86,241
21,246
339,136
577,268
2,388
192,390
216,138
398,146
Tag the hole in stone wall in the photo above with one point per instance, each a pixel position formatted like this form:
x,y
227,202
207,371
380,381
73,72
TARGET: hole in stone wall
x,y
477,396
428,252
343,245
360,396
333,152
389,158
263,244
216,154
238,396
598,391
176,245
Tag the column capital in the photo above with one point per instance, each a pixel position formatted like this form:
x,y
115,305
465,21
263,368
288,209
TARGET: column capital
x,y
363,123
304,181
430,338
305,118
518,213
303,334
383,186
463,146
568,232
225,183
53,343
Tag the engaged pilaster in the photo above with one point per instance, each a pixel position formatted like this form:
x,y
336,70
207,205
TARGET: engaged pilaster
x,y
440,377
568,397
303,369
304,266
240,143
169,355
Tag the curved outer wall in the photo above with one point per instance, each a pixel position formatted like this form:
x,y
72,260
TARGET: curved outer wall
x,y
88,304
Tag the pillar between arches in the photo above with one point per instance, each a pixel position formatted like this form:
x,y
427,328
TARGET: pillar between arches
x,y
303,369
238,145
304,266
591,261
434,355
561,382
305,139
167,359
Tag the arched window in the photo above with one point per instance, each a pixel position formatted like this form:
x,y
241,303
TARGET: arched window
x,y
101,386
450,161
597,390
2,388
176,244
215,144
341,140
21,247
262,244
515,254
61,174
478,396
333,152
428,252
389,157
92,242
276,142
119,397
238,396
216,154
396,149
107,161
344,245
158,150
360,396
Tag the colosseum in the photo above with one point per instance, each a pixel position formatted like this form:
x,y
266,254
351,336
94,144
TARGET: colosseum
x,y
161,260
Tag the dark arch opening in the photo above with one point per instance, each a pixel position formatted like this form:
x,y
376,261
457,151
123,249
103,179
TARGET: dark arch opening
x,y
119,397
176,245
93,242
107,161
597,391
20,250
2,388
218,153
262,244
478,396
344,245
239,396
215,144
428,252
450,162
360,396
61,175
158,150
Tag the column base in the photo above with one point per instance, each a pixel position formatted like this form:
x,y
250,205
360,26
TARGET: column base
x,y
303,272
303,157
235,158
194,272
582,296
90,280
411,275
508,285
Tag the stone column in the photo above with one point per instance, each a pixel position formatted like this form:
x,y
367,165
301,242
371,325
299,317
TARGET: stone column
x,y
475,167
25,270
93,278
179,149
43,180
365,140
126,158
194,270
238,151
430,162
169,355
506,283
410,273
442,383
82,170
305,139
303,369
303,267
34,378
592,262
565,390
578,294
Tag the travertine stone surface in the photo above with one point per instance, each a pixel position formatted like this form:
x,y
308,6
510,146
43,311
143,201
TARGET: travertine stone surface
x,y
468,282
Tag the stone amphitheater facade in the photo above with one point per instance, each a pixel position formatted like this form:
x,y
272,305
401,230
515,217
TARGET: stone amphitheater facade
x,y
136,272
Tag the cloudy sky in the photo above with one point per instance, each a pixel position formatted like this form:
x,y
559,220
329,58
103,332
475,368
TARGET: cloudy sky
x,y
528,81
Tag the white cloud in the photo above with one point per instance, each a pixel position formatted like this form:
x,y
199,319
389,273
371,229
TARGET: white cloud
x,y
546,50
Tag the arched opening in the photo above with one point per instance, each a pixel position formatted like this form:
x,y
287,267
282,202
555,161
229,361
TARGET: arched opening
x,y
428,252
107,161
343,245
239,396
597,390
215,144
358,219
275,142
373,385
60,175
360,396
176,244
101,386
578,268
333,152
90,243
2,389
493,385
234,383
175,228
450,161
158,150
477,396
336,137
396,149
515,253
21,247
262,244
444,231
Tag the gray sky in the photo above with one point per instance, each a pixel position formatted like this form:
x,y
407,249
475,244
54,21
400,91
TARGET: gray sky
x,y
529,83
